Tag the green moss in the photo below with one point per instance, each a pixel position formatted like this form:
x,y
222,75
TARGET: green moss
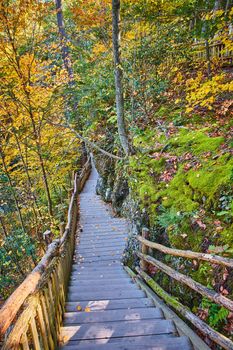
x,y
200,187
179,194
196,142
209,180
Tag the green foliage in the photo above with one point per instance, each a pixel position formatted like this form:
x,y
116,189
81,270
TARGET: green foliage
x,y
217,315
17,254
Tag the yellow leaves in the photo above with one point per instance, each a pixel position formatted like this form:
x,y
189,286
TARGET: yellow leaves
x,y
203,92
65,339
213,14
99,49
79,308
130,35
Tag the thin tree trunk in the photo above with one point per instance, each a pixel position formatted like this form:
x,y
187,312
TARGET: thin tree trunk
x,y
28,176
63,40
27,94
35,204
39,153
227,7
119,76
3,226
207,49
12,190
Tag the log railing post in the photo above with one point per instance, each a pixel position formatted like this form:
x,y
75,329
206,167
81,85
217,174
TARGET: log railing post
x,y
144,249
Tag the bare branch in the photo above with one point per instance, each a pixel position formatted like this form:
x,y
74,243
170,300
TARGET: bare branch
x,y
90,143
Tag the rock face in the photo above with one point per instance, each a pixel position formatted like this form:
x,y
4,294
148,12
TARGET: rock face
x,y
115,189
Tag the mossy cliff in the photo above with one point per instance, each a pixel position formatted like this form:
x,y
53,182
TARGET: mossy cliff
x,y
179,184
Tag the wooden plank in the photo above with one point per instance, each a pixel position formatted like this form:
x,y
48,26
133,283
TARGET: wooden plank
x,y
107,271
137,343
107,249
109,330
103,268
96,273
93,241
102,282
34,333
99,280
95,254
96,276
117,294
117,265
95,246
112,315
101,234
43,329
115,304
47,322
101,288
24,342
99,259
140,339
113,262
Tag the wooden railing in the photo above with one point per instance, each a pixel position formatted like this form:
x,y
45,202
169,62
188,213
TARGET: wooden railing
x,y
32,316
214,49
145,259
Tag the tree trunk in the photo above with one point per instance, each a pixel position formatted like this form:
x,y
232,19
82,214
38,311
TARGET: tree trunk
x,y
39,153
119,76
35,204
12,190
63,40
3,226
207,49
28,175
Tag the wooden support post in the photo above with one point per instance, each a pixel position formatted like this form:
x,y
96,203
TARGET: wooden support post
x,y
144,249
62,227
48,237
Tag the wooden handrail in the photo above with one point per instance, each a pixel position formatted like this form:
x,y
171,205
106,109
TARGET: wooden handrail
x,y
184,311
216,49
196,286
28,286
212,258
145,259
33,313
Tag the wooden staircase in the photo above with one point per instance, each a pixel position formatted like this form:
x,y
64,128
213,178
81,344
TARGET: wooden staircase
x,y
105,309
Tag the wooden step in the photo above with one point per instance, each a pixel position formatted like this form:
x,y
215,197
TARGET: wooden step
x,y
114,304
110,295
112,315
138,343
104,288
99,258
98,250
109,330
96,276
102,282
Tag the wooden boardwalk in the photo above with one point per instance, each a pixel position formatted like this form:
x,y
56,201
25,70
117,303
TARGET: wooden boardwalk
x,y
105,309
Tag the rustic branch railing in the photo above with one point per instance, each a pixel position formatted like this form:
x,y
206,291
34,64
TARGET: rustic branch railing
x,y
32,316
216,49
146,259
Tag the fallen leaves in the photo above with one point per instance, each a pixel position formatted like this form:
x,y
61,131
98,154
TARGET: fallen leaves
x,y
86,309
